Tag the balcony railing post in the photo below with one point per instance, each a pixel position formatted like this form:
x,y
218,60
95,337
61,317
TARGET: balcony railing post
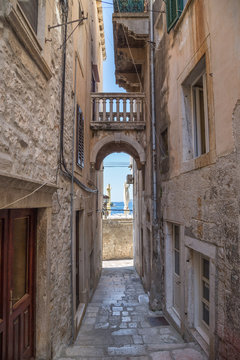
x,y
104,109
138,109
96,112
131,109
111,109
93,109
117,109
124,109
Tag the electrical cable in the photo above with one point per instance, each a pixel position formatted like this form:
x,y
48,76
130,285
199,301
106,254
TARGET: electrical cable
x,y
155,139
63,166
24,197
163,153
80,21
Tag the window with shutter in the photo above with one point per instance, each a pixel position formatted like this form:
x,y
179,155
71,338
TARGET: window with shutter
x,y
30,9
80,137
174,9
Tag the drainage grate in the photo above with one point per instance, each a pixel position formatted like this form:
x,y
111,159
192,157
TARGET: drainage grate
x,y
157,321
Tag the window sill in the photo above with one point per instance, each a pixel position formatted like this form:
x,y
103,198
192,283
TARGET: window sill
x,y
26,35
199,162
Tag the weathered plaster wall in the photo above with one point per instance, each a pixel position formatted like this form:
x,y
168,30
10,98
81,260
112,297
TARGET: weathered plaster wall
x,y
117,239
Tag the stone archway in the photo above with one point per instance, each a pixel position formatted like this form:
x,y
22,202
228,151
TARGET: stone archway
x,y
117,143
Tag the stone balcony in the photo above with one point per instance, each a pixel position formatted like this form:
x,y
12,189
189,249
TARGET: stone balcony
x,y
131,32
117,111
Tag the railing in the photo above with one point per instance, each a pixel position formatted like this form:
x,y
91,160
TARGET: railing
x,y
126,6
117,107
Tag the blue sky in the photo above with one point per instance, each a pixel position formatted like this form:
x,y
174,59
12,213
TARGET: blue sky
x,y
113,176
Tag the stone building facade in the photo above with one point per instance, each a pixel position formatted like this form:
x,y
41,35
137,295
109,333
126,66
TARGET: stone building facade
x,y
196,261
50,206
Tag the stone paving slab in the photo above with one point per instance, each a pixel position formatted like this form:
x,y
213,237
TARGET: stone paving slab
x,y
119,325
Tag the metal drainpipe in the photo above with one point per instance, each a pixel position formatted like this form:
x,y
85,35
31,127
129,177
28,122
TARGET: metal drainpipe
x,y
153,116
72,193
65,10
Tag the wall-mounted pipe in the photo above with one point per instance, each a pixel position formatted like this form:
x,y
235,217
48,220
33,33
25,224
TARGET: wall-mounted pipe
x,y
153,115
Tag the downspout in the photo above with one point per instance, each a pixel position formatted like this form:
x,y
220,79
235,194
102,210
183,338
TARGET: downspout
x,y
62,161
154,181
72,195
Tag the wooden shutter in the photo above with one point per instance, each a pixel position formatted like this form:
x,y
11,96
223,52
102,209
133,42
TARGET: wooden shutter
x,y
174,10
80,137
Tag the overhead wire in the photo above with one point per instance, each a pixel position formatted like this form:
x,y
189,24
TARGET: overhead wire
x,y
163,153
62,162
24,197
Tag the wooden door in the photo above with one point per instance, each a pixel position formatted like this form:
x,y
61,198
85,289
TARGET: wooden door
x,y
19,286
3,281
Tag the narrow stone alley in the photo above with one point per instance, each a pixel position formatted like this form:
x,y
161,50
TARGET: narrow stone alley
x,y
119,325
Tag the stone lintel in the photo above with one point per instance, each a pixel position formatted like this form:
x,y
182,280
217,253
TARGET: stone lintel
x,y
116,126
14,187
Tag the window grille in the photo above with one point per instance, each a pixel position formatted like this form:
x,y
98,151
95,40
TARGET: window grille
x,y
80,137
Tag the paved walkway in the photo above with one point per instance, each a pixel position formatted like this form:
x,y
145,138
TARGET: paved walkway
x,y
119,325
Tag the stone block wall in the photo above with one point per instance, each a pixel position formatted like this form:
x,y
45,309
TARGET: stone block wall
x,y
117,239
30,108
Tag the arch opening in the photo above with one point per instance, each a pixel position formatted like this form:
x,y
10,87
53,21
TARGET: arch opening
x,y
117,143
118,210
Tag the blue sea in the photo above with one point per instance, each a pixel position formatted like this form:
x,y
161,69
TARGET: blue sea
x,y
118,207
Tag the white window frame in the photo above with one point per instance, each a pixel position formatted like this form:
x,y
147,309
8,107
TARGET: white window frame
x,y
170,271
202,300
199,325
195,250
176,277
196,122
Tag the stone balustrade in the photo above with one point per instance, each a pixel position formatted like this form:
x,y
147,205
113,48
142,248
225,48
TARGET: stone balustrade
x,y
117,107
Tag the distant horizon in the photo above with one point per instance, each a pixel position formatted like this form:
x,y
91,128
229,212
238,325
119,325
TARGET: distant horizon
x,y
114,201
